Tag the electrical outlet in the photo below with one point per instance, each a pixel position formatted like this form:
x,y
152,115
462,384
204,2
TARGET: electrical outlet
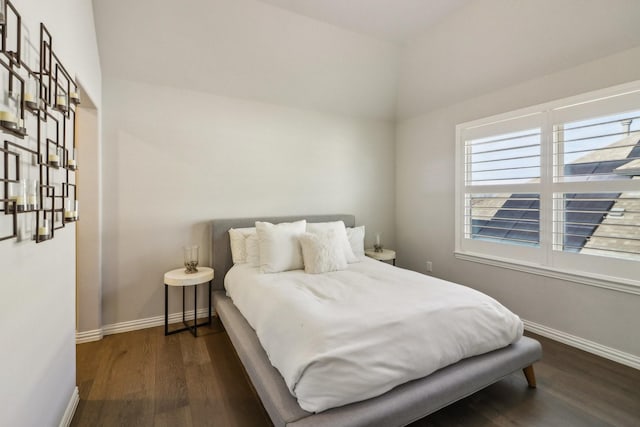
x,y
429,266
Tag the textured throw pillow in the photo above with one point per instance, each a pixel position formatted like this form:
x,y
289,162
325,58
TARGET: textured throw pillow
x,y
356,240
253,251
322,252
340,233
237,238
279,246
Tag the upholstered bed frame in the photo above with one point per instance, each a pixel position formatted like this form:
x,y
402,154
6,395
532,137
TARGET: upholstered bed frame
x,y
400,406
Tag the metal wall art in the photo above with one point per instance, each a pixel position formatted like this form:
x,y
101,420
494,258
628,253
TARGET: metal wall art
x,y
38,98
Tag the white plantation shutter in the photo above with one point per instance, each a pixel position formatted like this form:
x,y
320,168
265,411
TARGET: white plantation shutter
x,y
501,186
555,186
596,163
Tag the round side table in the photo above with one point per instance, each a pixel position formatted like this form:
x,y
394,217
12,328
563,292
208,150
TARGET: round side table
x,y
385,255
178,277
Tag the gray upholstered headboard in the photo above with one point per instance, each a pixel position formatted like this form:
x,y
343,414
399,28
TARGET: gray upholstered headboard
x,y
221,248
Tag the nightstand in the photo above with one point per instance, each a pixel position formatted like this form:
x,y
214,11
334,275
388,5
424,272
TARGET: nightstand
x,y
385,255
178,277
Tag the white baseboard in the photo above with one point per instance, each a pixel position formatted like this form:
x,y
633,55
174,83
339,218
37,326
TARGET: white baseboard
x,y
134,325
150,322
627,359
71,408
88,336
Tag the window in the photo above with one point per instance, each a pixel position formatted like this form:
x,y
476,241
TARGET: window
x,y
555,188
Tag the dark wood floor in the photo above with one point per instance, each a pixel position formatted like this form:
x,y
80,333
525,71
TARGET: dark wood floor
x,y
143,378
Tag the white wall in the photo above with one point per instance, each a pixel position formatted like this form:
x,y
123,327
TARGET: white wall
x,y
175,159
241,109
37,289
425,210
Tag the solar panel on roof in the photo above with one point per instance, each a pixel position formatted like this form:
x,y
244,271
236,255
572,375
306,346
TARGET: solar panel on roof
x,y
518,218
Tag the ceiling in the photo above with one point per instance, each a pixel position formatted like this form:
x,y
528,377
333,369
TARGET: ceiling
x,y
247,49
391,20
376,59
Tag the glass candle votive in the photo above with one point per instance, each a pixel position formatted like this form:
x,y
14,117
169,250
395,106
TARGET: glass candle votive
x,y
62,102
44,232
32,93
74,97
191,258
378,245
72,161
71,210
54,158
21,196
8,108
32,199
12,196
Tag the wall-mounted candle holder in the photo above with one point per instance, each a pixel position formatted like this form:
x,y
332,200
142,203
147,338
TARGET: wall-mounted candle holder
x,y
62,103
10,181
10,178
71,211
22,193
47,213
9,110
53,160
44,231
32,99
72,160
74,97
32,195
21,197
11,197
36,197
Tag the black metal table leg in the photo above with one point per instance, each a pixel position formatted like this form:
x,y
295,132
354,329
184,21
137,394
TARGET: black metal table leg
x,y
195,311
166,310
191,328
209,320
184,319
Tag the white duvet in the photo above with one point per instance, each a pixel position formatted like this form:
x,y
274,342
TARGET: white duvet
x,y
350,335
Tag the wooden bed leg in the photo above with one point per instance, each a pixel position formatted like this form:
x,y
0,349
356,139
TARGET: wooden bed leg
x,y
530,375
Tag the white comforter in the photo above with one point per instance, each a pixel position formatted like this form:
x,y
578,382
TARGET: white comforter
x,y
347,336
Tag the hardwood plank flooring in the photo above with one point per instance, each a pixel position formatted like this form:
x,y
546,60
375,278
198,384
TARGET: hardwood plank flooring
x,y
143,378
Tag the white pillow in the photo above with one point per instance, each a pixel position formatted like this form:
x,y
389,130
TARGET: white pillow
x,y
279,246
322,252
237,238
340,233
356,240
253,251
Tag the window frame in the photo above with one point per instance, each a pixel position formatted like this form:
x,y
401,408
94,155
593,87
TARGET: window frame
x,y
605,272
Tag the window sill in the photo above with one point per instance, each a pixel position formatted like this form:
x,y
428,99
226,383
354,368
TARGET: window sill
x,y
616,284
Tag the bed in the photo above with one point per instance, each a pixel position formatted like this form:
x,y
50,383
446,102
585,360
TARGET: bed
x,y
400,406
